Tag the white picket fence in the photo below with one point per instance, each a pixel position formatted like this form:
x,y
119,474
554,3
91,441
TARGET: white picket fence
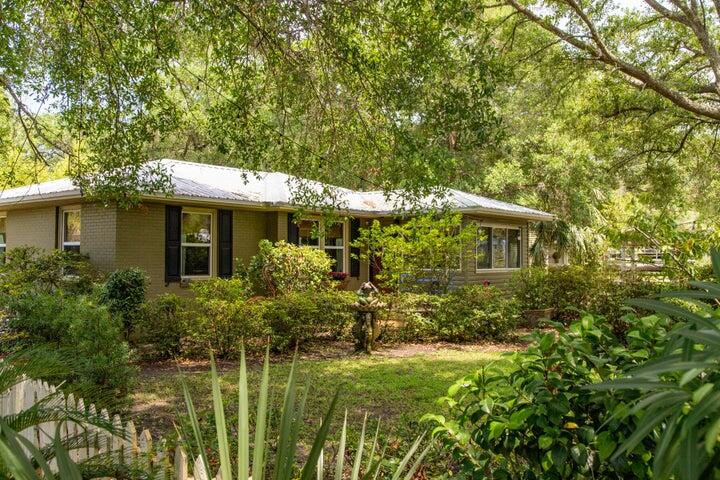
x,y
131,448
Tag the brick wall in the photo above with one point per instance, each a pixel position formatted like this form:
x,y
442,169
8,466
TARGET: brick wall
x,y
249,227
33,227
98,238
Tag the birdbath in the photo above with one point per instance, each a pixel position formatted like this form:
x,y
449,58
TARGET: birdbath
x,y
366,308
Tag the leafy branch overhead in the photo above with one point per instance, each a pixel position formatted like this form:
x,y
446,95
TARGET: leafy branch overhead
x,y
367,95
685,69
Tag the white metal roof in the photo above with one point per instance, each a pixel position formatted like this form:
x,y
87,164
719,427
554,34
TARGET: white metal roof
x,y
233,185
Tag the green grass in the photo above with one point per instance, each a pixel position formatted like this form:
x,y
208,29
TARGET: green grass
x,y
396,390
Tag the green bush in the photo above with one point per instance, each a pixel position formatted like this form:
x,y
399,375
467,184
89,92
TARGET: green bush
x,y
335,315
475,312
85,333
532,289
103,361
284,268
220,316
163,323
124,293
408,317
573,289
293,319
29,268
531,417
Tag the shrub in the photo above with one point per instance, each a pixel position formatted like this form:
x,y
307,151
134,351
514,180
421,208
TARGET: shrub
x,y
99,359
124,293
408,317
293,319
532,289
285,268
532,418
334,312
571,290
163,323
103,361
220,316
29,268
475,312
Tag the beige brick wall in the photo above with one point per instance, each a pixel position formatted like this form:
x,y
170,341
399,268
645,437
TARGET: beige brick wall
x,y
98,237
141,244
33,228
141,241
249,227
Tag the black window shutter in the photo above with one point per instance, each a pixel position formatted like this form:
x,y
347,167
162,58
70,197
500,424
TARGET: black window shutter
x,y
354,251
173,218
225,256
293,230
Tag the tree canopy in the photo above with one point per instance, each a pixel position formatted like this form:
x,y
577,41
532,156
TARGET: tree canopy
x,y
559,105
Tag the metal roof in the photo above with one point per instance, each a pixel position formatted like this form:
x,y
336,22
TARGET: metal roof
x,y
233,185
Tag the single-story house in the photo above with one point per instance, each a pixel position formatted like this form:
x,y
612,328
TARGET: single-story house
x,y
217,215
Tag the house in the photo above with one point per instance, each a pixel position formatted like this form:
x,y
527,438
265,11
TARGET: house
x,y
217,215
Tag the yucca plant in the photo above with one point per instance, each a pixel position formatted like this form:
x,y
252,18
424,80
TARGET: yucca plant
x,y
282,463
680,402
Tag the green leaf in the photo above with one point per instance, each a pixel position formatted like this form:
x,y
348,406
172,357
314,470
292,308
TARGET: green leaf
x,y
700,393
339,464
220,426
243,455
605,444
496,429
671,310
258,466
517,419
320,439
545,442
358,453
66,467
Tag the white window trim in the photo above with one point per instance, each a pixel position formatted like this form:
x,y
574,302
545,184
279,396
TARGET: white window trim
x,y
210,245
321,241
501,269
4,244
63,211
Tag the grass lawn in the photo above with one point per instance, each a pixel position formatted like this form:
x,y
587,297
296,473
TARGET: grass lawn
x,y
397,385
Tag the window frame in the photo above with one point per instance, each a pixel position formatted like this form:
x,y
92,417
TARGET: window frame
x,y
64,243
209,246
321,241
3,245
507,228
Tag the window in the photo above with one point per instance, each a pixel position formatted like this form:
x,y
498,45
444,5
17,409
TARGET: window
x,y
71,231
334,245
330,239
195,244
498,247
3,238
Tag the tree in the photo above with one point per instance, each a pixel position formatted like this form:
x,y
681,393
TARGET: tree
x,y
669,47
372,95
425,252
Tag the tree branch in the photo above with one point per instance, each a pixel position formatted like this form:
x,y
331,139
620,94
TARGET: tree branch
x,y
635,75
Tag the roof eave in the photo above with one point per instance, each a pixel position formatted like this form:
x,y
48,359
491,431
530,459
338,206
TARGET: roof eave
x,y
40,198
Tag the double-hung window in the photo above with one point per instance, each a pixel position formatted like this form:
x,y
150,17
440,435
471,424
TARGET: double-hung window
x,y
329,238
71,229
196,244
498,247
